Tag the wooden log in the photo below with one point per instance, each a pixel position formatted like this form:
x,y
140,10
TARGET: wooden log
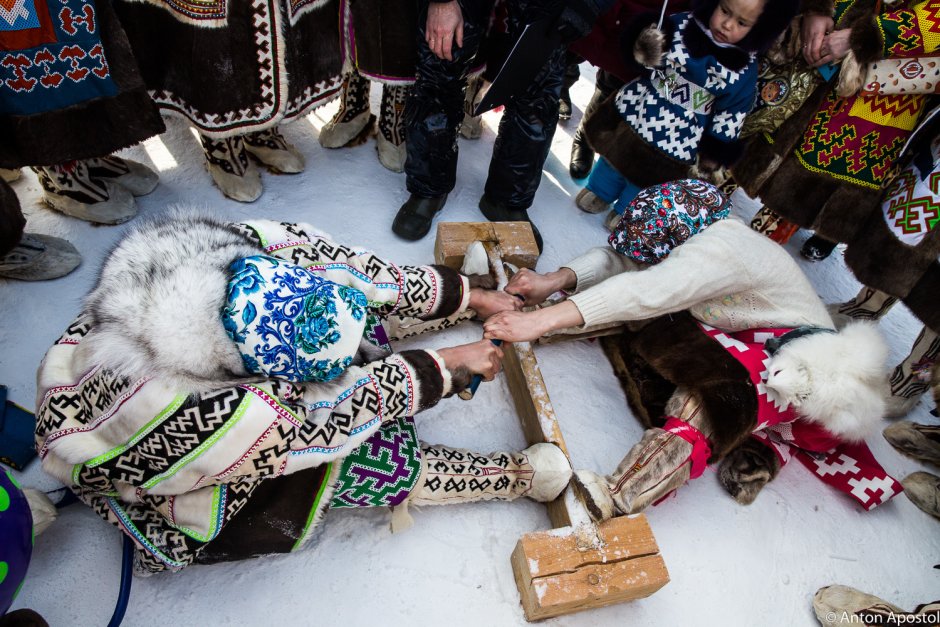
x,y
516,242
578,565
538,420
583,567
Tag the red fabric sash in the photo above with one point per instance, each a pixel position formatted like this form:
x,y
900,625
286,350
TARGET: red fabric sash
x,y
701,450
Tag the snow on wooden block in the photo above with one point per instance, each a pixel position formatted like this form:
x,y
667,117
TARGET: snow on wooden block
x,y
578,568
516,242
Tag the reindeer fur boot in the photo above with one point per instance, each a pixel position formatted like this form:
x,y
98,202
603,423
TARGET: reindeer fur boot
x,y
352,123
921,442
471,127
923,490
390,139
9,175
135,177
657,465
231,170
842,605
274,152
540,472
70,188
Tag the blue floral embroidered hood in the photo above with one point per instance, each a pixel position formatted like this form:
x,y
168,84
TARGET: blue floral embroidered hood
x,y
290,322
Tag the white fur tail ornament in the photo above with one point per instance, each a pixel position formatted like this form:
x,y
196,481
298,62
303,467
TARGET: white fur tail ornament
x,y
838,380
850,76
650,47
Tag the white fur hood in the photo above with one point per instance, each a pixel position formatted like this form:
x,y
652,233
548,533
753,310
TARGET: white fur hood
x,y
838,380
155,311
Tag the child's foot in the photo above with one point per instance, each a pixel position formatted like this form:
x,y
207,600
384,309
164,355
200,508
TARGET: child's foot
x,y
590,202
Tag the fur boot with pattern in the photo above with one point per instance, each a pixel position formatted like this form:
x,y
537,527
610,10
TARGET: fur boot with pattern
x,y
274,152
352,123
451,475
70,188
390,138
233,172
135,177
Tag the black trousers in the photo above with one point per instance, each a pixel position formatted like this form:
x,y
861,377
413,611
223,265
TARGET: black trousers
x,y
435,109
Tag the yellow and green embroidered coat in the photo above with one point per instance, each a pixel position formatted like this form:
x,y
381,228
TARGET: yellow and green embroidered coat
x,y
835,154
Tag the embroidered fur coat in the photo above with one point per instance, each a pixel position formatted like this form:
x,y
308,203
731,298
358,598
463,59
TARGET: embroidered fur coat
x,y
672,357
233,68
824,167
146,412
897,248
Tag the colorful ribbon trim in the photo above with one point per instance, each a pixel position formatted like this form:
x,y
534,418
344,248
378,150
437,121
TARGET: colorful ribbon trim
x,y
701,449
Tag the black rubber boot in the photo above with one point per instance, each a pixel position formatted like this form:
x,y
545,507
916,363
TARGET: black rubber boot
x,y
497,212
564,105
414,218
817,248
582,156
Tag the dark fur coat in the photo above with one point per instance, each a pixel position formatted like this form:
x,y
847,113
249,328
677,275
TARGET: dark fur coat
x,y
236,67
825,198
652,362
93,127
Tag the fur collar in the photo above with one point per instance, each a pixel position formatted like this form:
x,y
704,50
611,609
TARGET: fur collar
x,y
155,311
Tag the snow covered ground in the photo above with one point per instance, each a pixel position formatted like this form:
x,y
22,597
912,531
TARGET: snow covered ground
x,y
730,565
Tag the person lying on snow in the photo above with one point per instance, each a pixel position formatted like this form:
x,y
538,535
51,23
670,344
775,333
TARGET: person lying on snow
x,y
226,385
737,343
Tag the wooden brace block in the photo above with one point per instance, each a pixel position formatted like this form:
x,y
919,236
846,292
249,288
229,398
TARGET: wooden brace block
x,y
516,242
571,569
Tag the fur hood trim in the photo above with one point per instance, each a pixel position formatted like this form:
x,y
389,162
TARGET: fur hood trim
x,y
155,311
837,380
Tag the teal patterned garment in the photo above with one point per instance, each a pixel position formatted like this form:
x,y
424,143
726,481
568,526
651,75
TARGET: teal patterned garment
x,y
291,323
663,216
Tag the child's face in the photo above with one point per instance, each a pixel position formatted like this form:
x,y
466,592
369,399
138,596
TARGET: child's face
x,y
734,19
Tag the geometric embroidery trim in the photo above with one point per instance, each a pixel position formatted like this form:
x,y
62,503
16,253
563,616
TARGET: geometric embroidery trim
x,y
383,470
911,202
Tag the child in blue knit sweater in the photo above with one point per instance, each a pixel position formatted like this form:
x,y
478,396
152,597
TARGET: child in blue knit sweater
x,y
683,117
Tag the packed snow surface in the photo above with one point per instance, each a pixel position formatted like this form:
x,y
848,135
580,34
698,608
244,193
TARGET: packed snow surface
x,y
730,565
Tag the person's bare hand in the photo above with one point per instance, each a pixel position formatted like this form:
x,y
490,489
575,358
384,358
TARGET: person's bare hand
x,y
514,326
535,287
814,31
488,302
835,46
444,28
483,358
